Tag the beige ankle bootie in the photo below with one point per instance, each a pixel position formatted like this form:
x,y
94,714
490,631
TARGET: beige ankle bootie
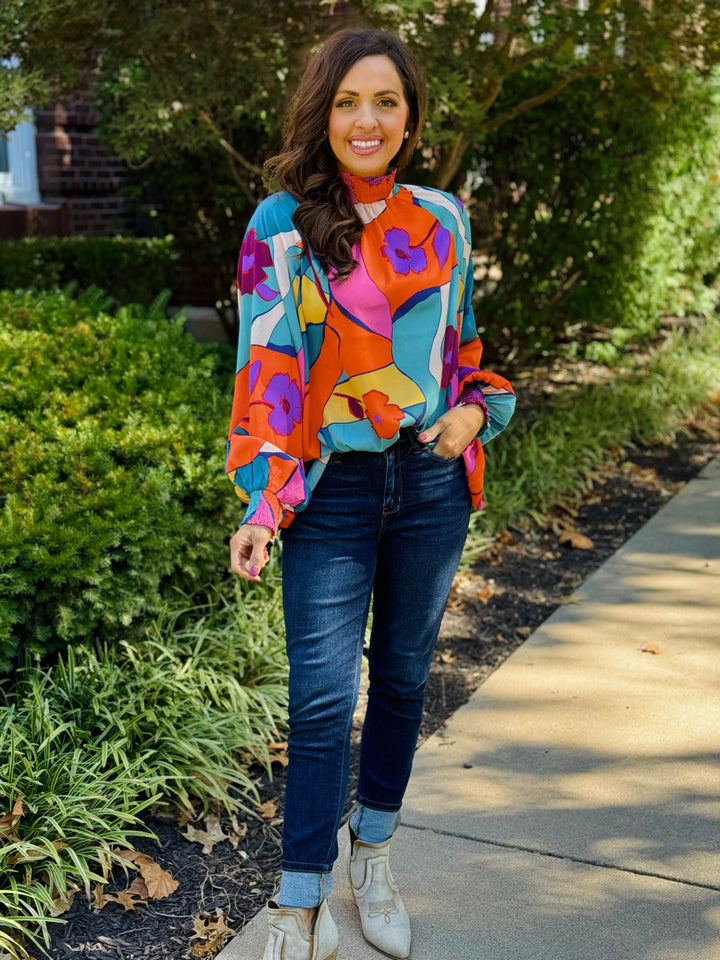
x,y
290,938
385,923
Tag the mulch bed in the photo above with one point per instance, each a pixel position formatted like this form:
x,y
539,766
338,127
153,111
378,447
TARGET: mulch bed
x,y
493,609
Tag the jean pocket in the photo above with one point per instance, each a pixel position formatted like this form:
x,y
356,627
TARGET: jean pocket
x,y
431,455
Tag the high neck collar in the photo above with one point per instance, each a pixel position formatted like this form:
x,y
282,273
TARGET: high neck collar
x,y
368,189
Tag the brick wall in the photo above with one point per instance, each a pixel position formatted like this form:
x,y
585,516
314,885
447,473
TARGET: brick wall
x,y
76,167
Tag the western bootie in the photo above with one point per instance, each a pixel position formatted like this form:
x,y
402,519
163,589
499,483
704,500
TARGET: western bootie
x,y
290,938
384,919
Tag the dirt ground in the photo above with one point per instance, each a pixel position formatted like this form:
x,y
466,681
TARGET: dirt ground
x,y
226,875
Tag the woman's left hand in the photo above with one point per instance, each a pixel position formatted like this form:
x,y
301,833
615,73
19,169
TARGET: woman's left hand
x,y
455,430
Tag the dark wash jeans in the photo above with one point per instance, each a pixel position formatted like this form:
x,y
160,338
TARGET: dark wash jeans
x,y
392,526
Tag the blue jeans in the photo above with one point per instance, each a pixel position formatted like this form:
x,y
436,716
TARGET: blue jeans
x,y
390,526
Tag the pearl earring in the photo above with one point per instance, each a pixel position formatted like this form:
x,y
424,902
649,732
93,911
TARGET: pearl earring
x,y
406,134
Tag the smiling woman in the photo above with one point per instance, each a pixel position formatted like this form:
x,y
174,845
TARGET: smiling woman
x,y
358,421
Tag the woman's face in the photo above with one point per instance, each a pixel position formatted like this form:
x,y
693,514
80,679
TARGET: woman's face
x,y
368,118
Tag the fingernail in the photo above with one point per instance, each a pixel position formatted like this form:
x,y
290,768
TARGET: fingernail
x,y
422,436
254,570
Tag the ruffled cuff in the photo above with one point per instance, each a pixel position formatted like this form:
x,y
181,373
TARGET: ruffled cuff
x,y
472,394
264,510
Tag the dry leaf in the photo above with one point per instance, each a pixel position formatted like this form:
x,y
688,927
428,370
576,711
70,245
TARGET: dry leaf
x,y
159,882
573,598
9,821
576,539
651,648
278,752
447,656
268,809
134,896
239,832
209,837
212,930
99,897
62,904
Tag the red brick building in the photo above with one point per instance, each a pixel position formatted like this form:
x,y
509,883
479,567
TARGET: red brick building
x,y
58,178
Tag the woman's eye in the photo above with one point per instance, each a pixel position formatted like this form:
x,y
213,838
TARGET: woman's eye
x,y
388,103
344,103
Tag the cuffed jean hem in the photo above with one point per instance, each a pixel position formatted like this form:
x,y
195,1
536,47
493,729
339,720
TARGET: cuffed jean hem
x,y
373,826
303,888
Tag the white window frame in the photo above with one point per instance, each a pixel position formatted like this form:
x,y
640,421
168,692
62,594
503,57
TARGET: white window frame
x,y
20,184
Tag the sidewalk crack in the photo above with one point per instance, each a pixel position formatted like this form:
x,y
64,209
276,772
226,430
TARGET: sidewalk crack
x,y
604,864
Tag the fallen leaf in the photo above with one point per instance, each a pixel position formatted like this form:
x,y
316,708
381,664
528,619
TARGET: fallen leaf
x,y
9,821
573,598
278,752
211,930
159,882
447,656
62,904
268,809
99,897
651,648
133,897
209,837
576,539
523,632
239,832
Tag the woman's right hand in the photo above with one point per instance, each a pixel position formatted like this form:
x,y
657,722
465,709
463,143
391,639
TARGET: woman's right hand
x,y
248,550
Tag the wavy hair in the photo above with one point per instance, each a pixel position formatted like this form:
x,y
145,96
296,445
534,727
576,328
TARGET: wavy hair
x,y
306,166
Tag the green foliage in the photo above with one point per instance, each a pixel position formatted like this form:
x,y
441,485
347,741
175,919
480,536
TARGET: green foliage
x,y
111,468
88,743
551,454
602,211
131,270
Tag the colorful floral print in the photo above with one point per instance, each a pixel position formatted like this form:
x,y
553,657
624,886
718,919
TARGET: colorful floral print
x,y
332,365
401,254
283,395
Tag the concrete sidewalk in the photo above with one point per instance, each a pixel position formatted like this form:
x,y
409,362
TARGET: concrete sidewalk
x,y
571,809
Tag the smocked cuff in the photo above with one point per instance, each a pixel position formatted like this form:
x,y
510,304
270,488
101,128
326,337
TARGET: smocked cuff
x,y
264,510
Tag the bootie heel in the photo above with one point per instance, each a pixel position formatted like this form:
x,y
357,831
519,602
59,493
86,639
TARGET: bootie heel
x,y
384,919
290,938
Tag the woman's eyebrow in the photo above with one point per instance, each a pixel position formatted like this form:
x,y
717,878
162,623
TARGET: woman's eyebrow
x,y
380,93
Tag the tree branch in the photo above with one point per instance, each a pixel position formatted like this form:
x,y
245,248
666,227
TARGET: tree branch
x,y
239,158
585,71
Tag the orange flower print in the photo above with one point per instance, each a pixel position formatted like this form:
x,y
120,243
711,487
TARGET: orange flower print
x,y
385,417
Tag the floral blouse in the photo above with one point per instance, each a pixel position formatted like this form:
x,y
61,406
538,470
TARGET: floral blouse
x,y
328,365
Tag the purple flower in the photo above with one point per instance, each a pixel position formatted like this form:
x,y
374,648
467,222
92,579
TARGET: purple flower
x,y
283,395
255,257
401,255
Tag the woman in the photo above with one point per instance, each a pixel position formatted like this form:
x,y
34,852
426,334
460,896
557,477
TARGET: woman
x,y
359,415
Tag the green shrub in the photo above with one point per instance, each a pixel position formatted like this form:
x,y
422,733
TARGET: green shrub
x,y
88,743
111,468
603,210
552,453
129,269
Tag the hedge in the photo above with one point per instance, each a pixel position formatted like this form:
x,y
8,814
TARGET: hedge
x,y
602,210
129,269
111,467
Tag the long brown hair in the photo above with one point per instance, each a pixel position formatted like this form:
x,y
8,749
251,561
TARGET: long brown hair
x,y
307,168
